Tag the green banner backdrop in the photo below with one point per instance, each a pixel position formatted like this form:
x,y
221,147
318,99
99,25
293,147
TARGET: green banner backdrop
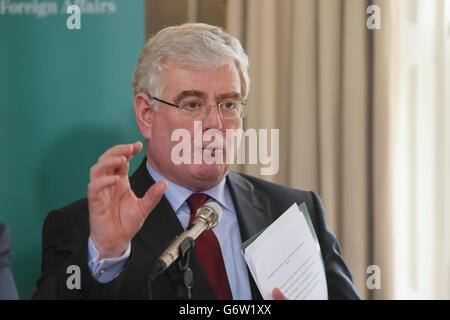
x,y
65,97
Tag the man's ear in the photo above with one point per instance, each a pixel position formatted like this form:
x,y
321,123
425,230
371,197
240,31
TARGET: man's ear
x,y
143,110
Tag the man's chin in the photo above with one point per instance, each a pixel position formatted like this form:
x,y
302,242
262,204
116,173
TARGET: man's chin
x,y
208,175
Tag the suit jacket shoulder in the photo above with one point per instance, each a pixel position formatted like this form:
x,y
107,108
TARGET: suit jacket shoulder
x,y
64,245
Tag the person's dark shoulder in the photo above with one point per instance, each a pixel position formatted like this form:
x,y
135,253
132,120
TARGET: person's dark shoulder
x,y
74,213
5,240
5,234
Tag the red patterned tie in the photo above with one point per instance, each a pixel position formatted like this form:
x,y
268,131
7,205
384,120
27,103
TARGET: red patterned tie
x,y
208,250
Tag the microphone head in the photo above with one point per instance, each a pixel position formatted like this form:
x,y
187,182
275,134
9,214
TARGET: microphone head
x,y
210,212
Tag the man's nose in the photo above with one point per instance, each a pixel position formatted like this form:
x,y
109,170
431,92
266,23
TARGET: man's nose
x,y
212,118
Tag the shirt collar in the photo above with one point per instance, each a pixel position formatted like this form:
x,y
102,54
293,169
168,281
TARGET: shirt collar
x,y
177,195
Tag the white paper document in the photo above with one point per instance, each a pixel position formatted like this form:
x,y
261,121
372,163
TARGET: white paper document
x,y
287,255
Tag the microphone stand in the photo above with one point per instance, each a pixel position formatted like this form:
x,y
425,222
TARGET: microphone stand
x,y
184,277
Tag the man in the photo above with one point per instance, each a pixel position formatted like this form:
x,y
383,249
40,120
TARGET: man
x,y
186,76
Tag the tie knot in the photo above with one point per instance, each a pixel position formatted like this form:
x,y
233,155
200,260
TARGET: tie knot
x,y
196,200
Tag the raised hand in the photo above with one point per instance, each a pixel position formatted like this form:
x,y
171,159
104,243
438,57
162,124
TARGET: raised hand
x,y
115,213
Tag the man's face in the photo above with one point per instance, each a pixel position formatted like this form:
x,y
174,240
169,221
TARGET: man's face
x,y
212,85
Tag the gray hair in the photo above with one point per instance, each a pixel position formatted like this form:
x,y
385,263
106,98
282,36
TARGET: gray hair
x,y
191,45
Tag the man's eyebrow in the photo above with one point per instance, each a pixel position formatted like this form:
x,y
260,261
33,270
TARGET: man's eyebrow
x,y
190,93
229,95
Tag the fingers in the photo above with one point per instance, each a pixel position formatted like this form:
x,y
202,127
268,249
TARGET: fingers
x,y
152,197
123,150
135,149
278,295
97,185
108,165
115,160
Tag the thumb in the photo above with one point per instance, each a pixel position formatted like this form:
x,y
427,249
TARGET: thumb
x,y
278,295
153,196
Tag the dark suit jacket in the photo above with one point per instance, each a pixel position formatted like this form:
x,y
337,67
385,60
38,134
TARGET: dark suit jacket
x,y
8,289
258,203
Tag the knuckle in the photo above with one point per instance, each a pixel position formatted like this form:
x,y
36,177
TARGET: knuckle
x,y
123,147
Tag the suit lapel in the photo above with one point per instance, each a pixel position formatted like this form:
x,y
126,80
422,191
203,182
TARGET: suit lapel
x,y
251,209
162,224
252,213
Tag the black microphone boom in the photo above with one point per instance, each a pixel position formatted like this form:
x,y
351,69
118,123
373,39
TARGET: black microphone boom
x,y
206,217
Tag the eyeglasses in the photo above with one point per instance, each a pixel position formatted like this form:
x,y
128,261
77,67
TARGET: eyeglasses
x,y
197,109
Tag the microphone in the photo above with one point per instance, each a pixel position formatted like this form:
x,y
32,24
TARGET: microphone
x,y
206,217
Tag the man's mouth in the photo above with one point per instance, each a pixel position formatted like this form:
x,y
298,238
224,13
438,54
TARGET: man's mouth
x,y
210,150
